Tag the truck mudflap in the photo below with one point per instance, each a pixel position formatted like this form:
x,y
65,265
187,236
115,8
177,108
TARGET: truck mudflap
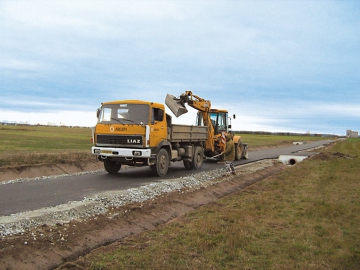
x,y
121,152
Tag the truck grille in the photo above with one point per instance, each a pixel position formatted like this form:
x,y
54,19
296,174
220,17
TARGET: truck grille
x,y
118,140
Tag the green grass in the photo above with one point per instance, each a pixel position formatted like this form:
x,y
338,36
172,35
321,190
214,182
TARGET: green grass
x,y
306,217
28,145
43,138
258,140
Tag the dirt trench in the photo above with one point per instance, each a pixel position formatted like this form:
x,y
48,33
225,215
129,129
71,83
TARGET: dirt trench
x,y
59,246
40,170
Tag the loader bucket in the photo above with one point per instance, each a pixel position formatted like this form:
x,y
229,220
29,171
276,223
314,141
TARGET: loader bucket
x,y
175,105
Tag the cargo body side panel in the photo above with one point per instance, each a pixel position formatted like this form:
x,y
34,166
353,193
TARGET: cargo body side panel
x,y
185,133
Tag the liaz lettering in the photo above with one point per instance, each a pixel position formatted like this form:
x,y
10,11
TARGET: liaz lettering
x,y
133,141
121,129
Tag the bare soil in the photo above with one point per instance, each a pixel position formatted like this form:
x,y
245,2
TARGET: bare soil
x,y
17,172
62,245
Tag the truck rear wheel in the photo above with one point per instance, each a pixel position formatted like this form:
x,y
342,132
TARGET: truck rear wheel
x,y
111,166
187,164
198,158
162,163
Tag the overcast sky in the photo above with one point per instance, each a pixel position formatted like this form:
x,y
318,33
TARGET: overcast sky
x,y
289,66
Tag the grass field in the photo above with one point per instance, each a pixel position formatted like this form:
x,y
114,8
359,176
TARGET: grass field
x,y
29,145
257,140
306,217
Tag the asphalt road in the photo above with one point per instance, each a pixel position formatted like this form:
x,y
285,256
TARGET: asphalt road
x,y
37,194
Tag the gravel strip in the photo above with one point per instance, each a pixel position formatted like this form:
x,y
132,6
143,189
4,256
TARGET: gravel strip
x,y
90,207
27,179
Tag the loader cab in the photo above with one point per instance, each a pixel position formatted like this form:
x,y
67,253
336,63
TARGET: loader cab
x,y
219,120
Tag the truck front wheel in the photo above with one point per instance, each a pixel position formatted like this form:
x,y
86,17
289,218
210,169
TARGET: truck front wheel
x,y
111,166
162,163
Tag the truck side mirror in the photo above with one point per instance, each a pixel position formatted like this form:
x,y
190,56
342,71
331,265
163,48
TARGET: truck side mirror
x,y
97,113
234,116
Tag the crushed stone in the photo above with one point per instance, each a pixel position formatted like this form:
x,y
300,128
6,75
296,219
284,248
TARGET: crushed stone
x,y
102,202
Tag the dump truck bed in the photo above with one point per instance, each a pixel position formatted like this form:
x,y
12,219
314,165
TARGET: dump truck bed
x,y
186,133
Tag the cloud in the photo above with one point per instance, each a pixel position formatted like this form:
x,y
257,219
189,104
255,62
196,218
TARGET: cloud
x,y
25,104
54,117
15,64
276,64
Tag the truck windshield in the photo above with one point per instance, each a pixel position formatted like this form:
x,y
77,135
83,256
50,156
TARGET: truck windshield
x,y
126,114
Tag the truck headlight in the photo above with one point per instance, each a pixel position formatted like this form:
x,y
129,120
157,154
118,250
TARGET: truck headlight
x,y
136,153
96,151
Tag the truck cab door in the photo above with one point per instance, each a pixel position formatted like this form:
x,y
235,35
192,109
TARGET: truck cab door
x,y
158,127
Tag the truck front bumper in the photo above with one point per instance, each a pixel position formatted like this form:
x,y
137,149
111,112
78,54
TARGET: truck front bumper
x,y
121,152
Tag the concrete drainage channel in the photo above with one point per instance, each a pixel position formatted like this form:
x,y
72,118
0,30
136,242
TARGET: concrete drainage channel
x,y
291,159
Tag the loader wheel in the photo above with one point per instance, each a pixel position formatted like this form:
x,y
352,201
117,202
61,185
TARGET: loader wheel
x,y
198,158
241,151
161,166
238,150
111,166
245,153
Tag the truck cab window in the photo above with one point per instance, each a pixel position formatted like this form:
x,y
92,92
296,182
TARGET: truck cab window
x,y
105,115
123,113
158,115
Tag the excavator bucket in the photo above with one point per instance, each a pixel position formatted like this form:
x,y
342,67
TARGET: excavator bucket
x,y
175,105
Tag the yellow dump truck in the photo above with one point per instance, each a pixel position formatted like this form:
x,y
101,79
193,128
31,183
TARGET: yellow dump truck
x,y
141,133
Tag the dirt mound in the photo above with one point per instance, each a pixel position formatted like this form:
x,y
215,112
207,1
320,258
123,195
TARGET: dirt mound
x,y
331,156
11,173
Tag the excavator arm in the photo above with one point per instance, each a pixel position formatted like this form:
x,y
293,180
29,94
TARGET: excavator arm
x,y
177,106
195,102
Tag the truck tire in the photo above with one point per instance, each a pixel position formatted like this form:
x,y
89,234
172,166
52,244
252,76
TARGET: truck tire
x,y
187,164
111,166
198,158
161,166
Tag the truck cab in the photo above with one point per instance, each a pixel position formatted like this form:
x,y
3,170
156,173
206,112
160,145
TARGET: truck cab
x,y
129,123
127,132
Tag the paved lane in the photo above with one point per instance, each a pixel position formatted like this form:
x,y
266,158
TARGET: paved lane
x,y
37,194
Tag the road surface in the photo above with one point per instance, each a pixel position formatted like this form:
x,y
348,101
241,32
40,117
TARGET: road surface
x,y
32,195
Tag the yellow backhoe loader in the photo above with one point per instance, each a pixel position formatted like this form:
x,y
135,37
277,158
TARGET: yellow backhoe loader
x,y
217,121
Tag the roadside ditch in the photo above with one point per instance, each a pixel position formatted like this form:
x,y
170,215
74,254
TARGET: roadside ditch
x,y
51,238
